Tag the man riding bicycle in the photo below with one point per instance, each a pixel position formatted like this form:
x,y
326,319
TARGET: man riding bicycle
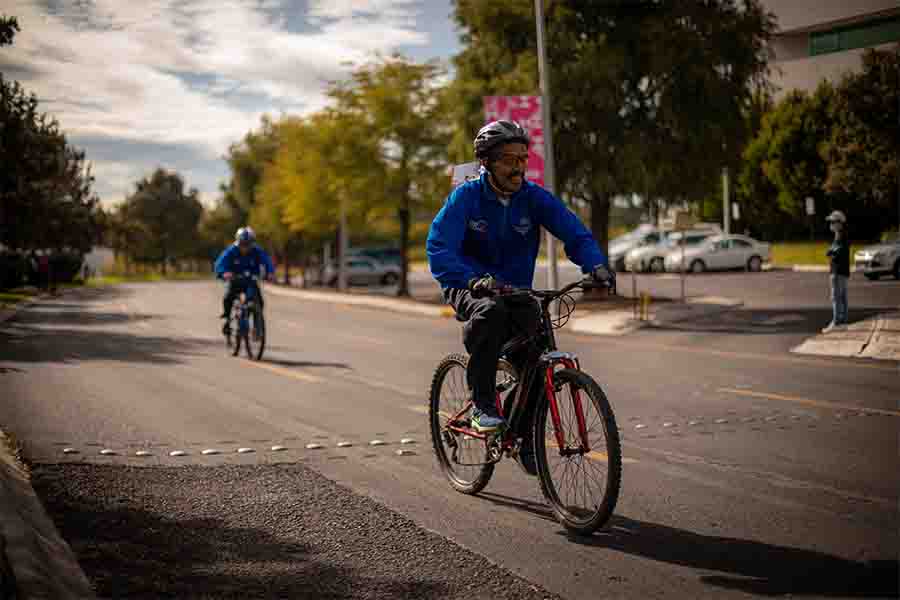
x,y
487,235
242,256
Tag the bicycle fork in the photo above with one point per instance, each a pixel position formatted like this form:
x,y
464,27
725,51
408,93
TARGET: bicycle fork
x,y
568,362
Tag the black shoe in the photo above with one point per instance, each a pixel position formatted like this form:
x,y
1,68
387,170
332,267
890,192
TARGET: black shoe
x,y
525,457
226,329
224,315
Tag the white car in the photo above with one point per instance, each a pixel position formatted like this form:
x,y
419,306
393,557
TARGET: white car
x,y
720,253
880,259
364,271
652,257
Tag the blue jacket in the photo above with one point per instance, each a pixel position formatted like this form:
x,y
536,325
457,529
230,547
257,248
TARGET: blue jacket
x,y
232,260
474,235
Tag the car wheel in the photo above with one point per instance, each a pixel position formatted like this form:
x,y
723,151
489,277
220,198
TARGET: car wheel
x,y
872,276
897,270
657,265
390,279
698,266
754,265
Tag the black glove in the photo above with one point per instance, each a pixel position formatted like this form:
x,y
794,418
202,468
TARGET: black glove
x,y
482,287
601,274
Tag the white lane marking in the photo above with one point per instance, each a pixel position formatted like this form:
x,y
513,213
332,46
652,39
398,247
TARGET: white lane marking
x,y
143,453
377,443
721,421
210,452
404,452
668,424
108,452
314,446
177,453
277,448
344,444
245,450
640,426
407,441
70,451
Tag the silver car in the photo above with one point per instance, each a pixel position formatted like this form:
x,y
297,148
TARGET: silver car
x,y
720,253
364,271
652,257
880,259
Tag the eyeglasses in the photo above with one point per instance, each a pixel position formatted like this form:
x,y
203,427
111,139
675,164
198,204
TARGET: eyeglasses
x,y
511,160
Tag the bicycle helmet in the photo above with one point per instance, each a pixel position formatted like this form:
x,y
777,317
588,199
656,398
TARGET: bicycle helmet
x,y
244,234
497,133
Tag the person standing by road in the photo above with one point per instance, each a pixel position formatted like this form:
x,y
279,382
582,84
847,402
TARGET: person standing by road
x,y
839,253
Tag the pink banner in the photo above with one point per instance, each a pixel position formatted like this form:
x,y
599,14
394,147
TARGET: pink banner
x,y
526,111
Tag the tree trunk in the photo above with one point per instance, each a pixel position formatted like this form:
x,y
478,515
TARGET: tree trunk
x,y
287,267
404,249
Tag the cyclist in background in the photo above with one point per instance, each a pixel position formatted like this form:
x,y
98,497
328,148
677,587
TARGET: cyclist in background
x,y
242,256
488,234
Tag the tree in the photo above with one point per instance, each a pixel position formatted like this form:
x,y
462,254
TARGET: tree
x,y
160,221
396,103
247,160
863,148
45,184
641,91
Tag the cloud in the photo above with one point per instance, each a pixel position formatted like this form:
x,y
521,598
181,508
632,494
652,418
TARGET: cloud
x,y
191,74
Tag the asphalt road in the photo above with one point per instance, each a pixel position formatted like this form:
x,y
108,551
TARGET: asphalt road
x,y
787,483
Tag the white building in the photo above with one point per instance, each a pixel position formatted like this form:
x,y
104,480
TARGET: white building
x,y
823,39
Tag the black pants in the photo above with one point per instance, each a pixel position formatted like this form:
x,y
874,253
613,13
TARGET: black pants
x,y
234,289
490,323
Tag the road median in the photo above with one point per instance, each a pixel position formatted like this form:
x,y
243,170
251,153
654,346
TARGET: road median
x,y
37,563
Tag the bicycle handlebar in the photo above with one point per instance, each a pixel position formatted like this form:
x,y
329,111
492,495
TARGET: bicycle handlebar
x,y
585,284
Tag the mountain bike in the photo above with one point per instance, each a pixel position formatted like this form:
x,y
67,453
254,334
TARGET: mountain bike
x,y
573,429
247,314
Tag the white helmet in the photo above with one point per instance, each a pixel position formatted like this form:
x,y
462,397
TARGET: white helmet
x,y
836,217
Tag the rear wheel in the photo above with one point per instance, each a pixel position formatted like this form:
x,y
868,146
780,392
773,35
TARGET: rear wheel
x,y
390,279
698,266
657,265
872,276
463,459
581,487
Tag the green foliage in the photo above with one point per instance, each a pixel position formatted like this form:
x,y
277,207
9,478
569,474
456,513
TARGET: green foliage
x,y
158,223
45,185
641,92
863,149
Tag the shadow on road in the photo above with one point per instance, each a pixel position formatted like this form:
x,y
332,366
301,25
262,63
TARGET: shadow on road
x,y
799,321
750,566
283,362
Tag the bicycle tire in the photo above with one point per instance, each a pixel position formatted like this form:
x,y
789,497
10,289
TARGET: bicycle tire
x,y
258,322
236,349
481,475
583,522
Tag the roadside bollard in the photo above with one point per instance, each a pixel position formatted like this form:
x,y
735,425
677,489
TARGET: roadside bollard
x,y
645,306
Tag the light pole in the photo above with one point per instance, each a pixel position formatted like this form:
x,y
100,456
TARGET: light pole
x,y
549,174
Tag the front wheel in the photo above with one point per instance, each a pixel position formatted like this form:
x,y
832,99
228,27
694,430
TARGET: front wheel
x,y
698,266
580,484
255,337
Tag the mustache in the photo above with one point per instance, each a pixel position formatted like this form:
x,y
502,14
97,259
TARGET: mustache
x,y
516,174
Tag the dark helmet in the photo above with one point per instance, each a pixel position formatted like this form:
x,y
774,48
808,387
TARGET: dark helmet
x,y
497,133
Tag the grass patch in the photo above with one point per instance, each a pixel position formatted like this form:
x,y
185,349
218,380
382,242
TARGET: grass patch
x,y
115,279
12,297
800,253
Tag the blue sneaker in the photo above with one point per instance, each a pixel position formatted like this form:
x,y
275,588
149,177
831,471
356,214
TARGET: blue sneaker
x,y
482,421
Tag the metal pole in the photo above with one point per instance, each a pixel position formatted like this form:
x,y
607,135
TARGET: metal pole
x,y
726,206
549,172
342,241
683,235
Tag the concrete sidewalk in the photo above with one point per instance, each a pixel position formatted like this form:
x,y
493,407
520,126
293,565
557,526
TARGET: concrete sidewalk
x,y
875,338
622,322
378,302
40,564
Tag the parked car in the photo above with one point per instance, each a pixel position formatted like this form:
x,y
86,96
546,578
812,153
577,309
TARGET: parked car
x,y
363,271
880,259
720,253
382,254
652,257
644,235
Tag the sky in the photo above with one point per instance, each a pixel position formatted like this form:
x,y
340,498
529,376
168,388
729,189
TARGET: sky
x,y
144,83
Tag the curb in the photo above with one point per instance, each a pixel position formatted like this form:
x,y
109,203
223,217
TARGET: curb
x,y
8,313
810,268
401,306
39,561
716,306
